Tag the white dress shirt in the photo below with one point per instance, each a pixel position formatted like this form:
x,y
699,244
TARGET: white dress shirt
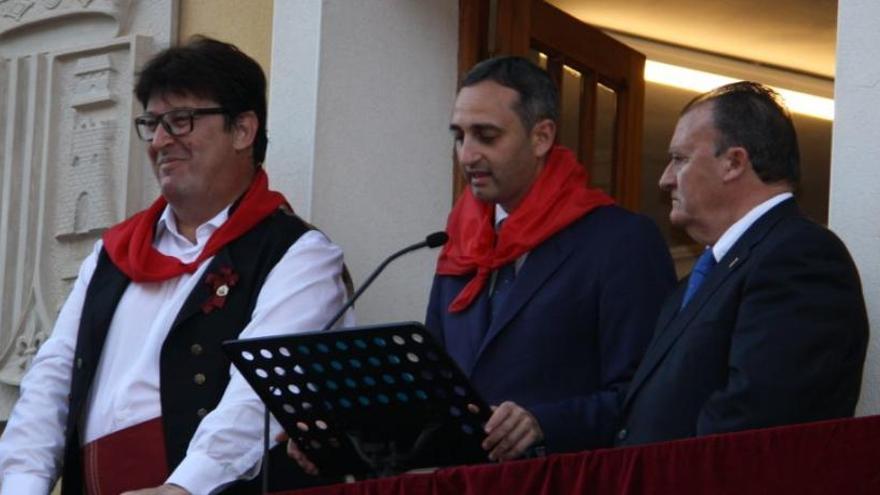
x,y
300,294
735,231
500,216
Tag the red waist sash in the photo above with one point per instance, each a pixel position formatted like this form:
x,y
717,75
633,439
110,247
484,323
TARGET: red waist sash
x,y
129,459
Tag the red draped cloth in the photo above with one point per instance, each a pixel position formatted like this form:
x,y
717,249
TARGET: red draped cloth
x,y
840,457
558,197
130,243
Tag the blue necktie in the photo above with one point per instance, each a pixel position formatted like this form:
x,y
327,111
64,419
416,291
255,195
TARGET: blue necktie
x,y
698,274
504,277
503,281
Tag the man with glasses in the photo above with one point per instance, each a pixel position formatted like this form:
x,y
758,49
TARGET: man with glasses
x,y
132,390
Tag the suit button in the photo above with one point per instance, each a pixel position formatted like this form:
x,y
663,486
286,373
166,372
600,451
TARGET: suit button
x,y
202,412
79,363
195,349
200,378
622,434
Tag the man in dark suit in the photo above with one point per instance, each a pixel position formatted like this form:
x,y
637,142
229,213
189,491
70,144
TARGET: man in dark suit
x,y
770,328
546,293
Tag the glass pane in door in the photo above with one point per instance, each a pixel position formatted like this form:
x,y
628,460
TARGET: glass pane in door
x,y
570,115
601,174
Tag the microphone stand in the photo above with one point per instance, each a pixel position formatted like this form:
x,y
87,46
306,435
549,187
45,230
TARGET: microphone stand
x,y
432,240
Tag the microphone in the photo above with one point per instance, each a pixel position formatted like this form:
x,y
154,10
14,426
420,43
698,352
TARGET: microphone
x,y
432,240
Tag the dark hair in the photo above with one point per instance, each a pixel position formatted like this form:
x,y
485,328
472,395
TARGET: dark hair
x,y
538,96
753,116
210,69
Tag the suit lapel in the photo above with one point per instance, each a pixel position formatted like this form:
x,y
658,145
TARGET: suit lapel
x,y
669,310
539,266
672,323
472,329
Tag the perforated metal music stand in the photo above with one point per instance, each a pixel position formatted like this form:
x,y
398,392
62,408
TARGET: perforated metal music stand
x,y
372,401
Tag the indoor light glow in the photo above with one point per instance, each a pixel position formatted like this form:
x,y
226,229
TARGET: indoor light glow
x,y
699,81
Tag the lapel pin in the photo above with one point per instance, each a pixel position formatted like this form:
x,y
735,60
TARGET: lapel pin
x,y
735,260
221,283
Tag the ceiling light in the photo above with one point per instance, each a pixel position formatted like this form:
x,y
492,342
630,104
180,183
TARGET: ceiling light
x,y
700,82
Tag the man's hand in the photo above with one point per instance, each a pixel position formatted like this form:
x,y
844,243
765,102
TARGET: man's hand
x,y
510,431
160,490
297,455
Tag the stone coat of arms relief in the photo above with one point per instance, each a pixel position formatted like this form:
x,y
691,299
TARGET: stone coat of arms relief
x,y
70,162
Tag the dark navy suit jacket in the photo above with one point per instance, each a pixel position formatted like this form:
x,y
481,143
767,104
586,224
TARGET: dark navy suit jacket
x,y
573,328
776,334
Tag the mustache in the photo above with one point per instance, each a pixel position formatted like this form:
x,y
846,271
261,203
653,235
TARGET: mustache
x,y
477,170
167,157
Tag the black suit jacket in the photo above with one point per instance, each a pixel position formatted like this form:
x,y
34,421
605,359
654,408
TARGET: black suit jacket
x,y
776,334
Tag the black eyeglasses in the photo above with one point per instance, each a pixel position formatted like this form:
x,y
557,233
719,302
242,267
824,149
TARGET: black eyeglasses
x,y
177,122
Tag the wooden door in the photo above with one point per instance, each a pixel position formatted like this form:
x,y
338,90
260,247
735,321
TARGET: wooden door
x,y
601,82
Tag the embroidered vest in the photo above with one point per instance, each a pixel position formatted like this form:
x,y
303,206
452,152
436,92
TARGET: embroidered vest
x,y
193,370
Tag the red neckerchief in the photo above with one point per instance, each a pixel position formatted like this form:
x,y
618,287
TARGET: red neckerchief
x,y
557,198
130,243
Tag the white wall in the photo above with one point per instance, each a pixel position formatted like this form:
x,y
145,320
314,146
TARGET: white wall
x,y
855,173
361,95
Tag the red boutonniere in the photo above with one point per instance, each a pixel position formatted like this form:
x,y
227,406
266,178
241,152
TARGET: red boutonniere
x,y
221,283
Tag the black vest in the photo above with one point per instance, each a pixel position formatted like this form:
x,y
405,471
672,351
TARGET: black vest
x,y
193,370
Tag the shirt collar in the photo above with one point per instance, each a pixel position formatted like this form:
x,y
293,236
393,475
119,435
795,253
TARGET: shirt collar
x,y
735,231
167,225
500,216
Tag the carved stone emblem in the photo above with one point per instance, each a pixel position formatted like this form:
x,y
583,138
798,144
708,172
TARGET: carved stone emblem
x,y
15,9
17,13
69,164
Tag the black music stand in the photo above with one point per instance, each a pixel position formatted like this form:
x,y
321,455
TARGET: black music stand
x,y
367,401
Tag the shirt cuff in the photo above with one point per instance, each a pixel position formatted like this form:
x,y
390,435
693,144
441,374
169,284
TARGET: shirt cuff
x,y
18,483
202,475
